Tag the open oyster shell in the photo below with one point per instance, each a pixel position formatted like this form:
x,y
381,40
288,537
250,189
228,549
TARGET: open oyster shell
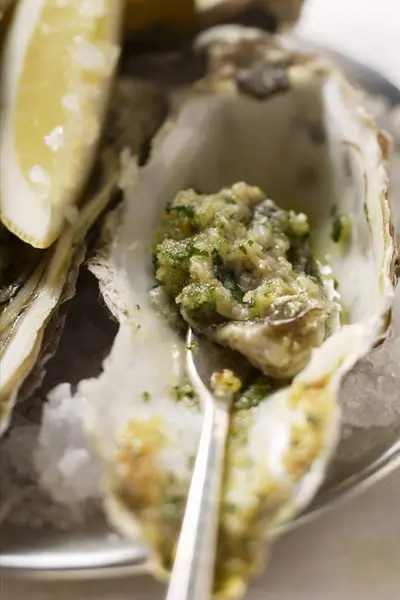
x,y
30,297
291,124
272,13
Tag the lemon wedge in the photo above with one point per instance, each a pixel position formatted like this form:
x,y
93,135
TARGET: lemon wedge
x,y
58,61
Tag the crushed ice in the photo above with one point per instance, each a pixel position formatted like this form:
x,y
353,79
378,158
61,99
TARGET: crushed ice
x,y
370,395
371,392
66,467
48,473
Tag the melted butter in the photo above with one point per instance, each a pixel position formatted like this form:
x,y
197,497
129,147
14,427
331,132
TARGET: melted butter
x,y
139,476
315,401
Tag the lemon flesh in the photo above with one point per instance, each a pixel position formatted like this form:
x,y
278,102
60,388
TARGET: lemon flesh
x,y
56,70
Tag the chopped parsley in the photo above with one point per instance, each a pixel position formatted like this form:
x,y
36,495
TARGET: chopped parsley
x,y
184,210
366,213
229,200
146,396
225,275
183,391
341,227
254,394
191,346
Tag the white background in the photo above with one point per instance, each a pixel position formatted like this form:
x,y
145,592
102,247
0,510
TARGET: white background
x,y
353,553
368,30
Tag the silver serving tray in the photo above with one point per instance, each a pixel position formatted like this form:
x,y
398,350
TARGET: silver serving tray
x,y
91,550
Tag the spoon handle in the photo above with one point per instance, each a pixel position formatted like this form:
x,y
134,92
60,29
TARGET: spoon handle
x,y
193,572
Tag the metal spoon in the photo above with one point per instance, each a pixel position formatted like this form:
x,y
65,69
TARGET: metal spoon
x,y
193,572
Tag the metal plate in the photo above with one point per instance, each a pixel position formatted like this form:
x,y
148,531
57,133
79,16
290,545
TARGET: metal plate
x,y
90,549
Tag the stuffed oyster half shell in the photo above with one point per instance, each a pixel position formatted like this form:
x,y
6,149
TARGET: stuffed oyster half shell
x,y
34,283
33,286
292,125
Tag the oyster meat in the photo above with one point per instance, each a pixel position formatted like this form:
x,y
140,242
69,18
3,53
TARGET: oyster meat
x,y
292,125
242,272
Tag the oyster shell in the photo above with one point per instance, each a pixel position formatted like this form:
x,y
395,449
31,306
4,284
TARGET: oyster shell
x,y
291,124
34,292
33,282
4,5
271,13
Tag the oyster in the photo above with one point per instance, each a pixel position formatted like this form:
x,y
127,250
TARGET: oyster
x,y
242,272
33,282
272,13
290,124
34,286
